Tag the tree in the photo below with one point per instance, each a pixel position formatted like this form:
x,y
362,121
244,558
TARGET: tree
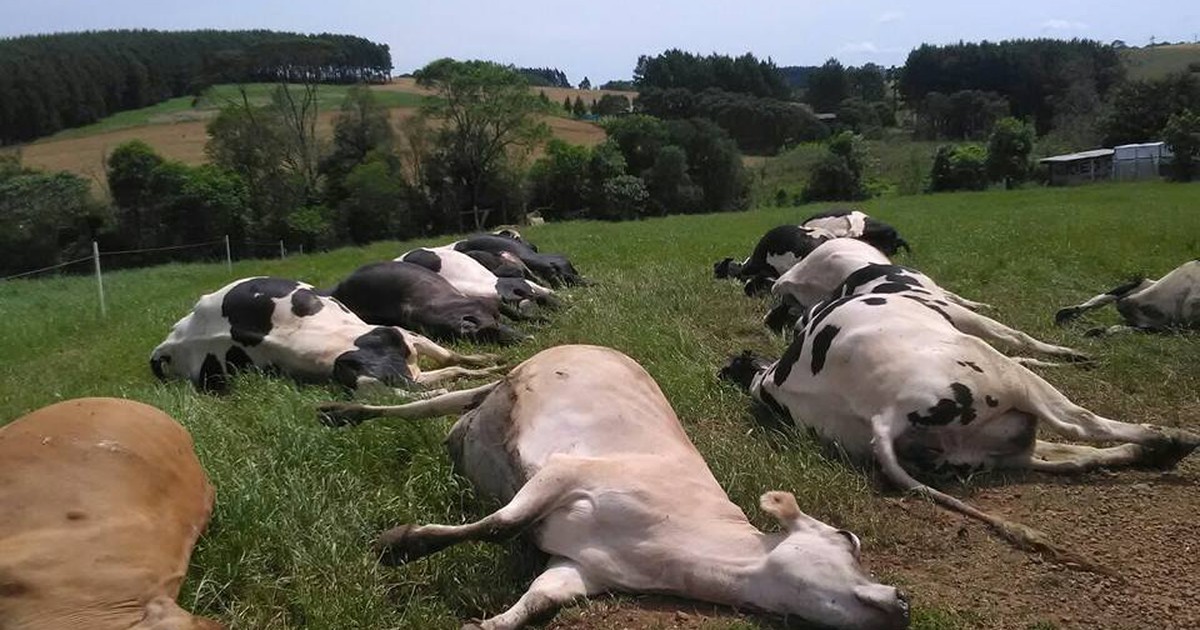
x,y
867,83
45,218
585,84
828,86
567,104
670,189
742,75
1140,109
360,127
1008,151
560,181
961,167
129,170
489,112
1182,135
374,207
579,109
612,105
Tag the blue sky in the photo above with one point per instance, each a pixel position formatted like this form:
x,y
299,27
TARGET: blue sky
x,y
602,39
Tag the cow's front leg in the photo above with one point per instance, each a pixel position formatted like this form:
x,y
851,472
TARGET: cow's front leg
x,y
433,377
561,481
561,583
964,302
441,355
988,329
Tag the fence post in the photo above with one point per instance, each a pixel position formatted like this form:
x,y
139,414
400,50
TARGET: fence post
x,y
99,278
228,255
301,249
282,254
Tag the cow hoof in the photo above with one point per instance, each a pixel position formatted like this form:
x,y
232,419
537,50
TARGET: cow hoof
x,y
1065,315
1166,453
399,545
338,414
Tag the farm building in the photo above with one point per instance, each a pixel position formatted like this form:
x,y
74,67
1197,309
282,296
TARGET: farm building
x,y
1140,161
1080,168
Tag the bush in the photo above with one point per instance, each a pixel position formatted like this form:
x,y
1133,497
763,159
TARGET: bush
x,y
961,167
560,181
375,205
1182,134
622,197
838,176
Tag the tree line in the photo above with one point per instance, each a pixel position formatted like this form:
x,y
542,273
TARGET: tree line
x,y
54,82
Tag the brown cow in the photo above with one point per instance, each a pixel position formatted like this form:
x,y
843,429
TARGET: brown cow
x,y
101,502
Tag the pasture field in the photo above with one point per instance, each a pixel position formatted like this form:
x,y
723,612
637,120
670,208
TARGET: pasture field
x,y
298,504
1157,61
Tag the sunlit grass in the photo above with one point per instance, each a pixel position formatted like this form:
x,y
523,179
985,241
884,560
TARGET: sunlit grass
x,y
298,504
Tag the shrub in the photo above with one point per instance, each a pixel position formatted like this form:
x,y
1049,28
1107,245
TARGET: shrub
x,y
838,175
45,218
1182,134
622,197
1008,151
559,181
961,167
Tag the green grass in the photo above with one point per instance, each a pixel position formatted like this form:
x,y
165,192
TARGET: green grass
x,y
1159,61
185,108
298,504
895,166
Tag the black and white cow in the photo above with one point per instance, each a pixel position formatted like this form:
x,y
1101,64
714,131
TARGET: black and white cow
x,y
587,457
782,247
553,269
515,297
1171,302
396,293
889,377
845,223
776,252
843,267
285,326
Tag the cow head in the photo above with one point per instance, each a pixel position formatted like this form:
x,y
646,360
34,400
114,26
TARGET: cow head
x,y
813,572
727,268
742,368
381,355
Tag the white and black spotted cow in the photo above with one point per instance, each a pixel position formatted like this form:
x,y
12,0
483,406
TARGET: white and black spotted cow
x,y
515,297
890,378
784,246
1171,302
553,269
285,326
398,293
776,252
844,267
843,223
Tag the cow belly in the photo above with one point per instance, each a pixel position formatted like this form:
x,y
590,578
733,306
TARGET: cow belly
x,y
480,446
1002,441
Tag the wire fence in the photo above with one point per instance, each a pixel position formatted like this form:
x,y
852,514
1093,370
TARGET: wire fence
x,y
97,255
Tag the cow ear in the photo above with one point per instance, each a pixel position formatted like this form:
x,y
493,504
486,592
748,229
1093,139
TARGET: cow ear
x,y
783,506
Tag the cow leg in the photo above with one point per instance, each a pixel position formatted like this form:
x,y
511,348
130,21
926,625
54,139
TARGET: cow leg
x,y
964,302
561,583
559,482
338,414
1162,447
1052,457
1069,313
441,355
1031,362
1119,329
1021,536
454,372
986,328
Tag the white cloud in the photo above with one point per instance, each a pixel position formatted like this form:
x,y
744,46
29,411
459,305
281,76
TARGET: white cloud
x,y
888,17
859,47
1063,25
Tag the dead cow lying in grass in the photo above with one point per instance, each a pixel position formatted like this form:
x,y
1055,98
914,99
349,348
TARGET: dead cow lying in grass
x,y
889,377
589,456
1171,302
101,502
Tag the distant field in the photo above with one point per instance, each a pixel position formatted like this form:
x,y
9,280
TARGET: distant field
x,y
1157,61
298,504
897,165
176,128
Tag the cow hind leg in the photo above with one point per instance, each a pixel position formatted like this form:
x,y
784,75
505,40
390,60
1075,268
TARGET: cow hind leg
x,y
964,302
556,484
1021,536
1069,313
561,583
988,329
1053,457
1162,447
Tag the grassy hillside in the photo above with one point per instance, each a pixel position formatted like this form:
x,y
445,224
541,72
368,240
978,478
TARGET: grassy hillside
x,y
298,504
1157,61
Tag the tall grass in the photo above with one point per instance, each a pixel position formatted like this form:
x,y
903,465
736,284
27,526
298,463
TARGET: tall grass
x,y
298,504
